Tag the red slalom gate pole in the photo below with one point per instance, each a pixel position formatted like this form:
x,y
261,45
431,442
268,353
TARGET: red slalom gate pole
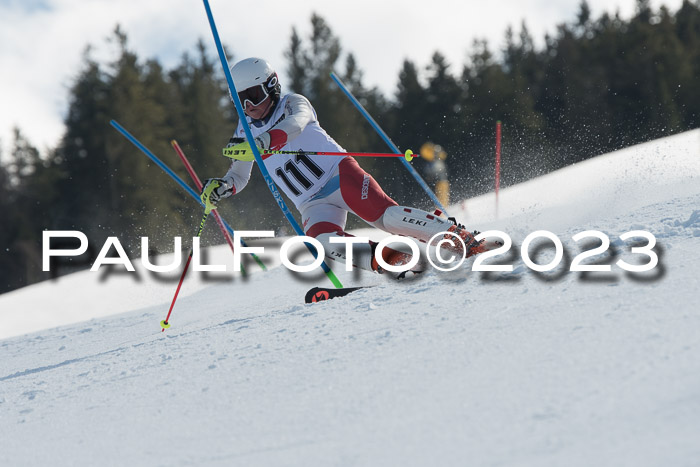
x,y
199,185
219,220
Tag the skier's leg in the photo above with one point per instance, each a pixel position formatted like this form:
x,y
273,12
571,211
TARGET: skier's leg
x,y
361,192
422,225
324,217
365,197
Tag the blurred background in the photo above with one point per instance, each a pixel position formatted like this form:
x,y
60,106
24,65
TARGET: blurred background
x,y
568,82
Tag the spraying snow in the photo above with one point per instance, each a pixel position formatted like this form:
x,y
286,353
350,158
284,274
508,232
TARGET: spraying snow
x,y
516,368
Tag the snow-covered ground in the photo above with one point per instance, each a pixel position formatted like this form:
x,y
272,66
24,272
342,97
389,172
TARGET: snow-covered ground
x,y
465,368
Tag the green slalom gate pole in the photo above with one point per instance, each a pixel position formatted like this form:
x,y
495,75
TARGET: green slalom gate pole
x,y
249,136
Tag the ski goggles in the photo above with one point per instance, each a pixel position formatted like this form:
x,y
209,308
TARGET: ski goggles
x,y
256,95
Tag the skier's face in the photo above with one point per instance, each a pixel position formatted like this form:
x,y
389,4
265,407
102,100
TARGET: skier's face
x,y
260,111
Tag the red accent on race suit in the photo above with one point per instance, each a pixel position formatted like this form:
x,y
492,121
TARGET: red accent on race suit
x,y
361,192
325,227
278,138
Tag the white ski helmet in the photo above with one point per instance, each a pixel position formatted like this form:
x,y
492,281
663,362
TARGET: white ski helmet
x,y
255,80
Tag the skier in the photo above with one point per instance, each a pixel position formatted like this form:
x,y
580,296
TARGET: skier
x,y
323,188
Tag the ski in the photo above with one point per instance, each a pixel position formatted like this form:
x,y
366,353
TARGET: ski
x,y
320,294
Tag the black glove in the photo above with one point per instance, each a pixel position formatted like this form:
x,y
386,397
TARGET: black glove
x,y
454,221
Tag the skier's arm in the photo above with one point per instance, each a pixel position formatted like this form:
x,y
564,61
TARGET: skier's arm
x,y
238,175
235,180
216,189
298,113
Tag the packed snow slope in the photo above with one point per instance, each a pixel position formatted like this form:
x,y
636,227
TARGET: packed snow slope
x,y
463,368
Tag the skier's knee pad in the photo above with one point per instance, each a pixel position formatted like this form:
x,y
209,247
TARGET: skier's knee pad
x,y
411,222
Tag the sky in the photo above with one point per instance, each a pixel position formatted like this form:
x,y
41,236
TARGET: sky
x,y
42,41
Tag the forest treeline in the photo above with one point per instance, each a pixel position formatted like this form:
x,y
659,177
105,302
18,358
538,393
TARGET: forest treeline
x,y
596,85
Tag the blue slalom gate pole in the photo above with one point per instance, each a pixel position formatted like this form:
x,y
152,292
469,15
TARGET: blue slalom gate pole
x,y
159,163
388,141
172,174
249,136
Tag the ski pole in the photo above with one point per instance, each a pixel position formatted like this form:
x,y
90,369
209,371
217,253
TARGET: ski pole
x,y
198,184
173,175
217,216
165,323
408,155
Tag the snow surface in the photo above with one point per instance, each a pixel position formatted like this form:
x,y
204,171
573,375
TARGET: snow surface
x,y
466,368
